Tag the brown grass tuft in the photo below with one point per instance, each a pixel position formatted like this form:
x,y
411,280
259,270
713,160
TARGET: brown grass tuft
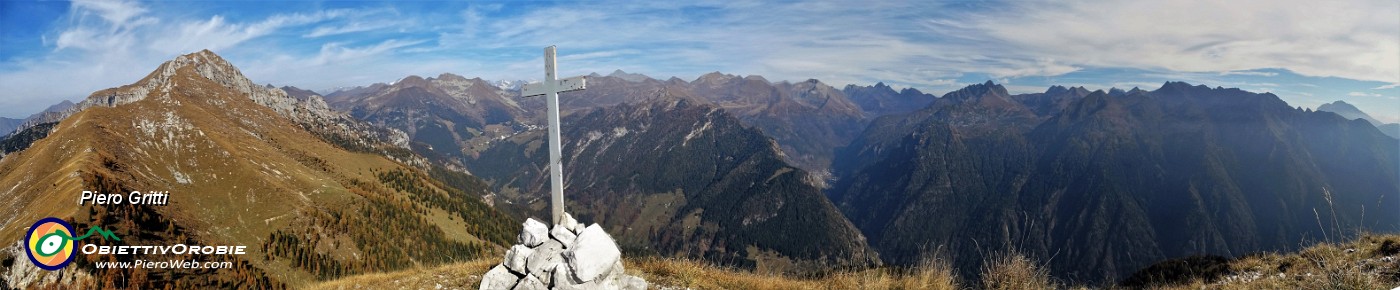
x,y
1011,270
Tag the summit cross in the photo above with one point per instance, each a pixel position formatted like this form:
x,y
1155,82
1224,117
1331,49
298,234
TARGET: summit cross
x,y
550,88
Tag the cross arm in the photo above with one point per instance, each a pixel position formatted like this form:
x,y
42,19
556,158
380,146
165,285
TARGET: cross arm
x,y
560,85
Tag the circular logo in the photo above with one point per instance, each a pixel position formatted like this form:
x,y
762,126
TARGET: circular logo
x,y
50,243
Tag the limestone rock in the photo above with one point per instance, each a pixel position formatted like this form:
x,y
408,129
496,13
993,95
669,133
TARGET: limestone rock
x,y
569,223
516,257
545,257
530,283
594,253
498,278
616,271
561,258
629,282
562,278
534,233
563,235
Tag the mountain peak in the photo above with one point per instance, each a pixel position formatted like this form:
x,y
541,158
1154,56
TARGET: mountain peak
x,y
757,78
1341,103
1178,85
986,89
205,64
201,64
713,77
451,76
631,77
411,81
1348,111
1080,90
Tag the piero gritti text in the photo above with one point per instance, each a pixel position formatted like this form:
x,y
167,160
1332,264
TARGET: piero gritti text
x,y
135,197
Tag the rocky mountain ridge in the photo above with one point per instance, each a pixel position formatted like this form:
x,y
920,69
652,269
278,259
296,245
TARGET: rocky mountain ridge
x,y
1142,176
709,188
312,112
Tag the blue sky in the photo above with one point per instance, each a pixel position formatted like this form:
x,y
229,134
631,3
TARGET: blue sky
x,y
1307,52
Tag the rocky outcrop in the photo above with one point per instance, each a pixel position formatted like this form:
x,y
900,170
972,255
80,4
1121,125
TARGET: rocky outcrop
x,y
569,257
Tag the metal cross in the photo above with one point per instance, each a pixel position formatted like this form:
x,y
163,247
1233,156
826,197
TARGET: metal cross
x,y
551,88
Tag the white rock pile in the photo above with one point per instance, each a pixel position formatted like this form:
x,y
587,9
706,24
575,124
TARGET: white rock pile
x,y
569,256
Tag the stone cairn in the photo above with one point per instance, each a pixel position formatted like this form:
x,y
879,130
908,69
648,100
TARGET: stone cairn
x,y
569,256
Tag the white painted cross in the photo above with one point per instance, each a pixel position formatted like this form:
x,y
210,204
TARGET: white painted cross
x,y
551,88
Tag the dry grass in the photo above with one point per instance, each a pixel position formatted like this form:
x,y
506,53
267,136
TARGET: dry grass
x,y
1010,270
1369,262
464,275
932,274
670,273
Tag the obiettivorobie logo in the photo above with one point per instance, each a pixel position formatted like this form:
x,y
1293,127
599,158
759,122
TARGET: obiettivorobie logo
x,y
49,243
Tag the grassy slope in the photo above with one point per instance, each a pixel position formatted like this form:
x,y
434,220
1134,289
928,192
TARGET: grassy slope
x,y
1359,264
675,273
1369,262
247,174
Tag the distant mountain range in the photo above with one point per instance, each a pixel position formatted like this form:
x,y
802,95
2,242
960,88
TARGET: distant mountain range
x,y
1032,148
1351,113
792,177
448,117
808,119
8,125
1101,185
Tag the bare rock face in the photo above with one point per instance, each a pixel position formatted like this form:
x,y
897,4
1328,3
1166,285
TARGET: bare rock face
x,y
498,278
570,224
561,258
516,258
534,234
530,283
594,253
545,257
562,235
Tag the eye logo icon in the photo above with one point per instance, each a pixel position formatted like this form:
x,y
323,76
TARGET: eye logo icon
x,y
50,243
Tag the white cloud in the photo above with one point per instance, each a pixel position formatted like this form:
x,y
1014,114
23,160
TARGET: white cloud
x,y
217,34
350,28
1360,94
1329,38
1249,73
111,43
929,45
121,14
335,52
